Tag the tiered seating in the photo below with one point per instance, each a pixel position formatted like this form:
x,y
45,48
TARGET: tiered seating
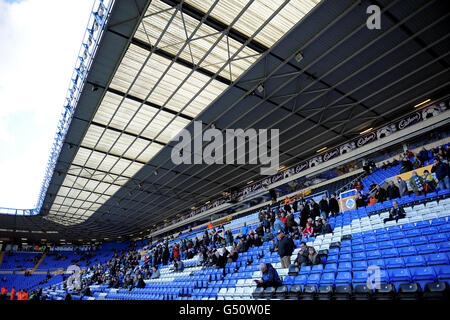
x,y
18,261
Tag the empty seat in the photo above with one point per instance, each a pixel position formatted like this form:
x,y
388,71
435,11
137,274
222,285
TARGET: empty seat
x,y
436,291
343,292
423,275
325,292
399,276
294,292
362,292
409,291
309,292
281,292
384,292
415,261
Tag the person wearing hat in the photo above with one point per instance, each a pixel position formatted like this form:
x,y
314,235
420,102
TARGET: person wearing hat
x,y
317,226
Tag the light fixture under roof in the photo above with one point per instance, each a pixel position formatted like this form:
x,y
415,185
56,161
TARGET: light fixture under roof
x,y
323,149
422,103
366,131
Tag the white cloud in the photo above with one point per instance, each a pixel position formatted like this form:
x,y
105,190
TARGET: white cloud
x,y
39,40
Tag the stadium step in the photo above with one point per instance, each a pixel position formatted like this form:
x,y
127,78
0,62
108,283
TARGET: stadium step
x,y
40,260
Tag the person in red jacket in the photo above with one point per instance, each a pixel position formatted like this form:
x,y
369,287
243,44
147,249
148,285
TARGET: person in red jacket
x,y
176,252
283,218
13,293
308,231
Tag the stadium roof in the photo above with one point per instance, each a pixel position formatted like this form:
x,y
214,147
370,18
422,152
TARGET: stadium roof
x,y
162,64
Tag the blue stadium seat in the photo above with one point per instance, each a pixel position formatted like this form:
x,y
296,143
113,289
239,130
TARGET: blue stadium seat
x,y
313,279
305,270
343,278
327,279
300,280
407,251
435,238
404,242
370,239
345,257
359,265
358,248
399,276
393,263
423,275
375,254
331,268
344,266
389,253
444,246
359,256
427,248
371,246
443,273
415,261
317,269
436,259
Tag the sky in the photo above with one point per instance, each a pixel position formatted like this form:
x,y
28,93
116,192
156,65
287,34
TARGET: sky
x,y
39,43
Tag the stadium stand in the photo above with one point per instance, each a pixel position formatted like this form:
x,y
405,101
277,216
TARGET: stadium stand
x,y
244,245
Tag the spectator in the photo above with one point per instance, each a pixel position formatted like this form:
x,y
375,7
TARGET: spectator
x,y
317,226
392,191
416,183
291,223
267,235
285,247
260,230
313,257
406,166
372,200
304,215
155,273
314,208
269,277
326,228
233,255
429,183
359,186
402,186
302,255
324,207
333,205
284,219
244,230
423,155
361,200
68,297
308,231
417,163
279,226
395,213
441,170
380,194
